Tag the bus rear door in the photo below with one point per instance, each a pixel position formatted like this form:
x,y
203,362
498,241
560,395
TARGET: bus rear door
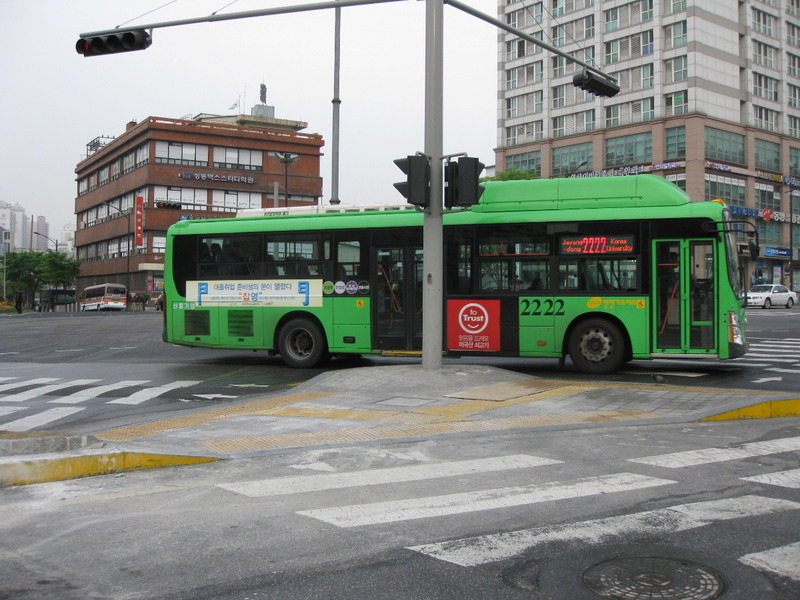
x,y
398,298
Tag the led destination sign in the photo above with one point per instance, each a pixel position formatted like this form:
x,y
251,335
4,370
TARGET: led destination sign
x,y
611,244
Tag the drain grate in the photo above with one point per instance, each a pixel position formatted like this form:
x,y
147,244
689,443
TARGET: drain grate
x,y
648,578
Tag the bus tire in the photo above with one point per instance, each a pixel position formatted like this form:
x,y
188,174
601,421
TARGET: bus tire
x,y
301,344
597,346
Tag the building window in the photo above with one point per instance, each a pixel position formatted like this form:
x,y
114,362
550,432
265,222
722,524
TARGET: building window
x,y
612,115
612,52
794,161
629,150
675,143
793,96
512,78
794,65
763,22
648,109
765,87
648,76
647,10
511,136
559,66
768,155
794,126
176,153
511,107
559,96
142,155
677,103
764,55
559,35
559,126
678,5
588,27
185,198
534,103
677,69
569,159
728,189
238,158
612,19
725,146
559,8
764,118
231,200
647,42
515,49
675,35
792,34
527,162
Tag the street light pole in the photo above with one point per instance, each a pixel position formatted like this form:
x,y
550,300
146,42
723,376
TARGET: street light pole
x,y
47,238
286,158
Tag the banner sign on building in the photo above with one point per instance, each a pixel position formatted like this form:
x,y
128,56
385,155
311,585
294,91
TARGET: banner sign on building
x,y
473,325
139,236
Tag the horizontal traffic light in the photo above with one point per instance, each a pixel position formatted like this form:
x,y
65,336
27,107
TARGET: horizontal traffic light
x,y
112,43
596,84
171,205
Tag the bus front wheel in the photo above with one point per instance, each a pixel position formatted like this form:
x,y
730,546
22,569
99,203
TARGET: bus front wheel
x,y
597,346
302,344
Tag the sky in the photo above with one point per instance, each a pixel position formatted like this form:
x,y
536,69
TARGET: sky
x,y
55,101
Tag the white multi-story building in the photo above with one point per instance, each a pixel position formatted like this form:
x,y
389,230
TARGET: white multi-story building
x,y
710,99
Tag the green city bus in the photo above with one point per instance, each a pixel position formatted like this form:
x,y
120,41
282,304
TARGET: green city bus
x,y
603,270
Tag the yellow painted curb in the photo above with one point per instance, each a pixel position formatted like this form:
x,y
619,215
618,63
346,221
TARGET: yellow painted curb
x,y
57,468
764,410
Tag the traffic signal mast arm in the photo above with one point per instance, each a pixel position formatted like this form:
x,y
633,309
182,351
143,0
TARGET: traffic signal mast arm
x,y
606,85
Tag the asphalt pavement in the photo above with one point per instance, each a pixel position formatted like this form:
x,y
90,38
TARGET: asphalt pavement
x,y
371,404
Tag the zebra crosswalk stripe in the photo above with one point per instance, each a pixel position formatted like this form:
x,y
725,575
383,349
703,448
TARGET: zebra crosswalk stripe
x,y
475,551
18,384
332,481
691,458
150,393
47,389
42,418
783,561
94,392
491,499
787,479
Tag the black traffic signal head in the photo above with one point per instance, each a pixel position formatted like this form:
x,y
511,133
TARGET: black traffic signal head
x,y
596,84
461,182
122,41
417,186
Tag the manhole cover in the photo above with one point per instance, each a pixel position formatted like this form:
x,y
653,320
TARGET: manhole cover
x,y
648,578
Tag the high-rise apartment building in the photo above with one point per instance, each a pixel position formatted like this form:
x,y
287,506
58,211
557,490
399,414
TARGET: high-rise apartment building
x,y
710,99
133,187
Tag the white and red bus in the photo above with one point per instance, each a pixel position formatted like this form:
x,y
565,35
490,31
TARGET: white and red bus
x,y
105,296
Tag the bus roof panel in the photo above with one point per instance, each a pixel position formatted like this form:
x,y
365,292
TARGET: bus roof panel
x,y
581,192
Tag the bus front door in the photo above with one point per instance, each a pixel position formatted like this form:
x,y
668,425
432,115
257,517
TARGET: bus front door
x,y
684,297
398,299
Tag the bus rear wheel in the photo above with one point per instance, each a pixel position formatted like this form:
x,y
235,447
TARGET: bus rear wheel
x,y
301,344
597,346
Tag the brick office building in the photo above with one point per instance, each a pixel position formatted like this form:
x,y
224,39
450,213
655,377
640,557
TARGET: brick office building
x,y
159,171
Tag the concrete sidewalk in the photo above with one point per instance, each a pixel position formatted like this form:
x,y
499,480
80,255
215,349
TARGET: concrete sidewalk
x,y
382,403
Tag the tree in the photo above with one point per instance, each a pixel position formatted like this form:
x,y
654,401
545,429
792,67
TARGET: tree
x,y
31,271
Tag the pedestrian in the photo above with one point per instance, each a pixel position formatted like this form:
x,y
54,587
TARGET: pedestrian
x,y
143,301
18,300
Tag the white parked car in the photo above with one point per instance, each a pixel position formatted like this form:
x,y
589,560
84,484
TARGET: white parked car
x,y
769,294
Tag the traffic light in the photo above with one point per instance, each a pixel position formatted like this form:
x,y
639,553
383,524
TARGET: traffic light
x,y
461,186
171,205
596,84
417,186
122,41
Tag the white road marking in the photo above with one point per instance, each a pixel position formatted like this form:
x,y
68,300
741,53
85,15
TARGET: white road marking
x,y
18,384
691,458
783,561
766,379
777,370
94,392
452,504
474,551
7,410
150,393
47,389
787,479
332,481
42,418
